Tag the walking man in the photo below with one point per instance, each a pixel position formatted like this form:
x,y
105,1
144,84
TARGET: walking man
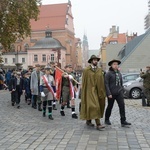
x,y
114,90
93,94
16,88
146,83
35,87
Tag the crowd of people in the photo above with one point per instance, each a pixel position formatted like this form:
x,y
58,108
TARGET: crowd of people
x,y
38,85
42,90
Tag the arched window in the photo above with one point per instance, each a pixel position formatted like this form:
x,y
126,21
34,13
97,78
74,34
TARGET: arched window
x,y
26,46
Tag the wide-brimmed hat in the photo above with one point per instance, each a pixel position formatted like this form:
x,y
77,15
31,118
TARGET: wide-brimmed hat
x,y
114,60
93,57
37,65
68,66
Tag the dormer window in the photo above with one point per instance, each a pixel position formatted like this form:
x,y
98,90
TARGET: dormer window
x,y
113,42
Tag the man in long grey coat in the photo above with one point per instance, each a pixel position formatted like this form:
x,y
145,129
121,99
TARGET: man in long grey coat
x,y
35,87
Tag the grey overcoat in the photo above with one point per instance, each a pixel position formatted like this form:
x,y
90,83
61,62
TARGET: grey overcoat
x,y
34,83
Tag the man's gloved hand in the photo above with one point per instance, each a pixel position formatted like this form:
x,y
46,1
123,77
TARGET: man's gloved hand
x,y
42,94
70,77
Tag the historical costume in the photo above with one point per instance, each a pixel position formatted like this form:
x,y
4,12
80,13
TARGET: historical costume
x,y
68,89
93,94
47,91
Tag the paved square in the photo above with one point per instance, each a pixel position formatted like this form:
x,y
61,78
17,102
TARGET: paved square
x,y
26,129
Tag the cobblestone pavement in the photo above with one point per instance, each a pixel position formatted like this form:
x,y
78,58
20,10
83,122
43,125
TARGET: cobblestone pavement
x,y
25,128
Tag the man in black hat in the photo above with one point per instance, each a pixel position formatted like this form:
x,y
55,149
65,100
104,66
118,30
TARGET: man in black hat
x,y
93,94
114,91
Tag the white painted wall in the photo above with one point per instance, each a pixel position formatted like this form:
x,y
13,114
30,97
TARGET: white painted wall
x,y
10,60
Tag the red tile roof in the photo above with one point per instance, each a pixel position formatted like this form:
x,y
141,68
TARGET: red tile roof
x,y
53,16
121,38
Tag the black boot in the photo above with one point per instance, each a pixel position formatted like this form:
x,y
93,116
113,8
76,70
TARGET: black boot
x,y
62,113
54,107
44,114
39,107
107,122
34,106
74,116
125,123
50,117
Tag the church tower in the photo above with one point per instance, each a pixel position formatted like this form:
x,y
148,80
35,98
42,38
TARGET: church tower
x,y
85,51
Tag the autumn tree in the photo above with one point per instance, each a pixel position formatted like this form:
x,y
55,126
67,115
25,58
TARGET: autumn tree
x,y
15,16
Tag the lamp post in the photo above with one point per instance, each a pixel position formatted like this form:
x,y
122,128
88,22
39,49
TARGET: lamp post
x,y
17,56
48,58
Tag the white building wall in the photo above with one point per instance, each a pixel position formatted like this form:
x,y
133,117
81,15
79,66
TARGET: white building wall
x,y
10,62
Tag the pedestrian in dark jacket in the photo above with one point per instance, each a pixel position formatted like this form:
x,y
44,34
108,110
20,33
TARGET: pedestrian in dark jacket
x,y
114,91
8,77
1,79
146,84
26,86
16,88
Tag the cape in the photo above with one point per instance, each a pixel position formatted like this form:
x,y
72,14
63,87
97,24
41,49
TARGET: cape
x,y
93,94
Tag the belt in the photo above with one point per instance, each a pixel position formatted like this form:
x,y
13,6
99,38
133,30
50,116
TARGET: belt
x,y
44,86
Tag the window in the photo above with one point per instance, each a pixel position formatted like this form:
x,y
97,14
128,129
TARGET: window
x,y
14,60
6,60
26,46
35,58
130,77
52,57
23,60
113,42
44,58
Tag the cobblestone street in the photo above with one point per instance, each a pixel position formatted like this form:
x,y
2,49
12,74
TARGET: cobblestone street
x,y
25,128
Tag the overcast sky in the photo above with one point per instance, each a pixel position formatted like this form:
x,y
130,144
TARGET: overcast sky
x,y
95,17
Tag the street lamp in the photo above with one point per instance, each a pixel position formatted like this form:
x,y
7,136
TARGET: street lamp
x,y
48,58
17,56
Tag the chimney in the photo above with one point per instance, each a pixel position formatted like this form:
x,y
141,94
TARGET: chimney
x,y
113,29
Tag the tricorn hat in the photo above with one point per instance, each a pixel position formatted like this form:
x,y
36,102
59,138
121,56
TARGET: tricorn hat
x,y
114,60
93,57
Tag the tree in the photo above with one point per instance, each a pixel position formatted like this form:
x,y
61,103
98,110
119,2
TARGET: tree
x,y
15,16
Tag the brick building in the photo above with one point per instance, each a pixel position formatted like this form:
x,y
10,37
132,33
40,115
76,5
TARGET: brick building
x,y
59,19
